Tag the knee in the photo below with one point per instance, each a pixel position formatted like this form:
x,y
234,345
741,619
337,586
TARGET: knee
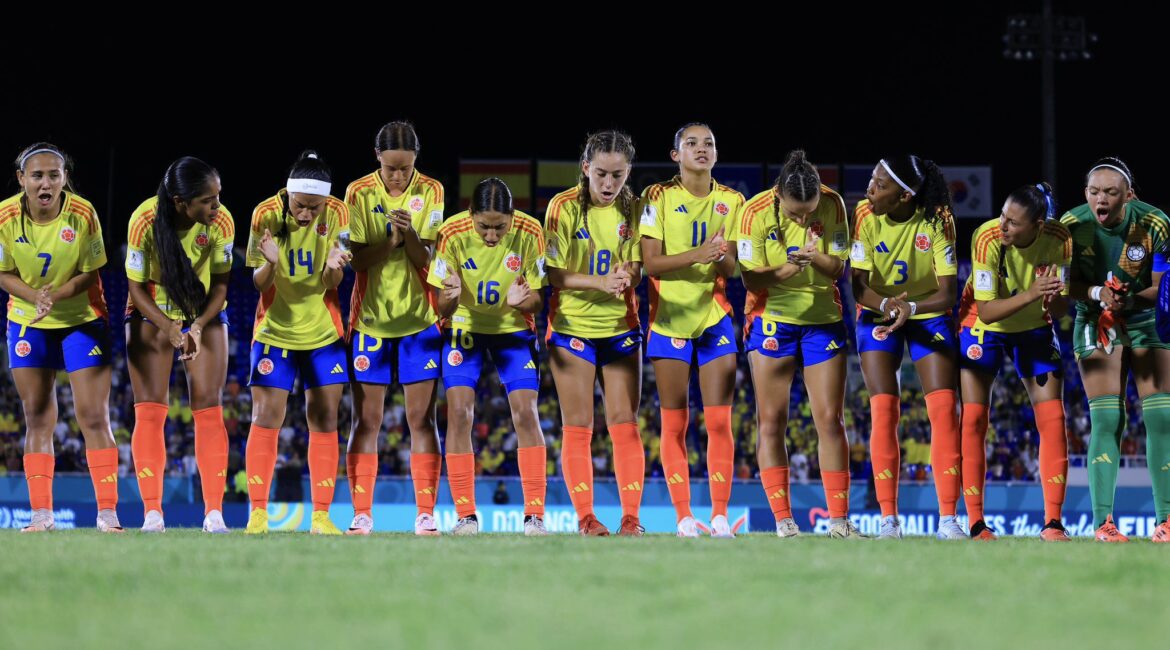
x,y
420,417
94,421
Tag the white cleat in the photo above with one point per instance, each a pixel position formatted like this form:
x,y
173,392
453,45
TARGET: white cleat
x,y
534,526
153,523
688,527
425,526
949,528
107,521
891,528
42,521
213,523
720,528
466,526
787,527
362,525
844,529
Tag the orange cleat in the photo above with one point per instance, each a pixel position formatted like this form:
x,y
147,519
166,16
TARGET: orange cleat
x,y
1162,532
631,527
981,533
1054,532
1109,533
591,527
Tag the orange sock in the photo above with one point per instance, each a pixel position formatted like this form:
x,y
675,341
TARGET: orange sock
x,y
629,463
974,458
38,471
323,457
148,446
533,478
461,479
424,472
103,471
1053,456
362,470
675,466
720,457
884,451
211,455
836,492
577,465
945,456
259,462
775,482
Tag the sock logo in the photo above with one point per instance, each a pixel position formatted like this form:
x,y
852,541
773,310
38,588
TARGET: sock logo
x,y
779,494
327,483
1166,467
884,475
255,480
675,479
971,491
536,502
1057,480
1103,458
841,495
221,473
359,489
636,486
462,501
580,487
427,491
112,478
717,477
146,473
954,471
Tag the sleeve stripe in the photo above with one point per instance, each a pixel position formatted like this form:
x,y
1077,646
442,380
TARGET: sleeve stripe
x,y
983,242
435,186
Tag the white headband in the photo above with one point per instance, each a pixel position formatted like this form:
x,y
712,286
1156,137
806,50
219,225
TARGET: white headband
x,y
308,186
1114,168
897,180
31,154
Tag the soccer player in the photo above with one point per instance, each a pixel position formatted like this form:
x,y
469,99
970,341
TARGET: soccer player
x,y
1115,238
792,242
594,263
686,255
904,283
487,275
395,214
295,245
50,251
1020,264
178,264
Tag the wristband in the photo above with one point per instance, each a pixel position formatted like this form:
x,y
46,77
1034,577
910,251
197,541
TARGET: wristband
x,y
1095,292
882,307
913,308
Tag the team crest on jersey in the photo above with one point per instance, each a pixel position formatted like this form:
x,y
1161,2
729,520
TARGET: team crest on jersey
x,y
201,240
880,333
23,348
771,344
922,242
454,358
512,262
722,208
265,367
975,352
577,344
361,363
1042,269
817,228
322,229
623,230
68,235
1135,252
678,343
416,204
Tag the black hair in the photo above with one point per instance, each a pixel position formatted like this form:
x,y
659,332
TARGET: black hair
x,y
308,166
679,134
491,195
1037,200
186,178
931,193
608,142
396,135
798,178
66,164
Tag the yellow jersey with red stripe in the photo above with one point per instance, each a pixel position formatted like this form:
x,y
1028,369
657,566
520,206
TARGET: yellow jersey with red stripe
x,y
209,249
52,253
686,302
596,241
999,271
487,272
907,256
390,298
763,240
297,312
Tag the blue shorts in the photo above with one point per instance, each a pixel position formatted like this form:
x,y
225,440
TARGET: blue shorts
x,y
276,367
223,318
715,341
68,348
1034,352
810,344
599,352
924,337
514,355
414,357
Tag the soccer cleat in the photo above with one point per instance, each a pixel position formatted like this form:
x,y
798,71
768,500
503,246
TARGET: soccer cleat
x,y
1162,532
787,527
362,525
591,527
688,527
980,532
844,529
213,523
424,525
949,528
42,520
257,522
891,528
468,525
534,526
1054,531
631,527
153,523
1109,533
107,521
720,528
322,525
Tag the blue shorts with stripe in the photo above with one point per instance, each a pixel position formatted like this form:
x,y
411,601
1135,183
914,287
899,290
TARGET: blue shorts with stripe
x,y
67,348
715,341
1034,352
599,352
925,336
810,344
413,358
276,367
514,355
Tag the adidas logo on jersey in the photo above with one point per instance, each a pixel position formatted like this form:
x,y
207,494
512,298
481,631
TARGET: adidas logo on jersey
x,y
22,239
581,234
95,352
530,366
431,365
881,248
773,236
1088,252
378,209
470,265
722,341
336,369
832,346
636,486
1103,458
682,209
